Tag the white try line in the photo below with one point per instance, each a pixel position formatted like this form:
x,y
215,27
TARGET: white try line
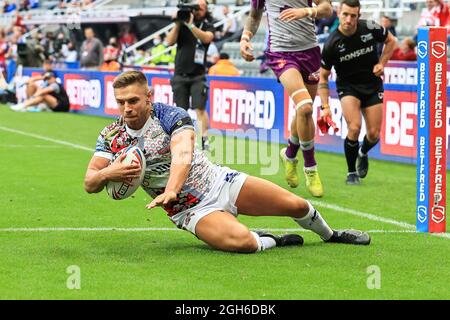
x,y
120,229
368,216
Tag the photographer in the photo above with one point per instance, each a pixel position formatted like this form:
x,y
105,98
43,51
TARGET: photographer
x,y
193,32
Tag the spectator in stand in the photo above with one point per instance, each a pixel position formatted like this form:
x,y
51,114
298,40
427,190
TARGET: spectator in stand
x,y
91,51
3,51
429,15
212,55
386,22
441,10
127,38
9,7
69,52
332,23
112,49
224,67
161,58
111,55
405,51
230,26
49,46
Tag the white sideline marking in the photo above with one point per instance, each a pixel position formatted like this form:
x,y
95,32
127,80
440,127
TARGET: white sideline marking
x,y
37,136
334,207
63,229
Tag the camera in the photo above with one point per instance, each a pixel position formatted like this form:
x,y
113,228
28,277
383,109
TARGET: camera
x,y
186,7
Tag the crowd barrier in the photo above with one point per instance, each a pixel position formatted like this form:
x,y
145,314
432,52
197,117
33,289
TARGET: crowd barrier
x,y
254,107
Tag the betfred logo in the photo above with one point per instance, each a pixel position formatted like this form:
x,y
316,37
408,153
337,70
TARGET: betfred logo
x,y
438,49
234,108
162,90
422,49
83,93
398,128
438,214
111,107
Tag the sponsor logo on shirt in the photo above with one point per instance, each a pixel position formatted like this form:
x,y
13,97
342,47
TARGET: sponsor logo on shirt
x,y
366,37
356,54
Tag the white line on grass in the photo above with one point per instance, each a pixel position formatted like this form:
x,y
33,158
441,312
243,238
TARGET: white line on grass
x,y
39,146
37,136
63,229
368,216
331,206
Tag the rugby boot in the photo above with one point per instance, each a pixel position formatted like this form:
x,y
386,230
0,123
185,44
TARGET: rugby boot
x,y
313,183
290,169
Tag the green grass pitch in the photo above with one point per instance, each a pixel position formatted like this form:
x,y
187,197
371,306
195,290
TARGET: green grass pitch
x,y
128,252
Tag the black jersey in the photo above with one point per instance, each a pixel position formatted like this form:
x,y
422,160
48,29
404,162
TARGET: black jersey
x,y
354,57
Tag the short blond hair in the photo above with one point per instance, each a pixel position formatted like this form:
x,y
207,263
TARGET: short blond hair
x,y
128,78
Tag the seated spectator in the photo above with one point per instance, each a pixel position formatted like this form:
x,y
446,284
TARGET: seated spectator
x,y
52,96
405,51
224,67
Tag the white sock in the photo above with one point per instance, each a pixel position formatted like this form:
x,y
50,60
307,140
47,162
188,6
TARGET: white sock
x,y
263,242
313,221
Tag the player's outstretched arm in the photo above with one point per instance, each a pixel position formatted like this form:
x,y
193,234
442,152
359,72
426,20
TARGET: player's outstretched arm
x,y
99,172
251,26
323,9
182,150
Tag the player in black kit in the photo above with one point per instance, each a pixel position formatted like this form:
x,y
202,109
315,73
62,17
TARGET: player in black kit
x,y
352,50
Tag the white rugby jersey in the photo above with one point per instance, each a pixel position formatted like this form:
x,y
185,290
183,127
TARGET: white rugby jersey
x,y
154,140
297,35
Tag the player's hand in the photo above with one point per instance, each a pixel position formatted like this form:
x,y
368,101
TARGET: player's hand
x,y
378,69
163,199
293,14
118,171
247,50
325,113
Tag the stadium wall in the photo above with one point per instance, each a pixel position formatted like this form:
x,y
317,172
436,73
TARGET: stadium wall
x,y
261,109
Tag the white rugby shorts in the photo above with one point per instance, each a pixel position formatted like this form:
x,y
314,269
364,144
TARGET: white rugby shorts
x,y
222,196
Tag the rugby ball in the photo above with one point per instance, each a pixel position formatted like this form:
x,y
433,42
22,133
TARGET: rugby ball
x,y
119,190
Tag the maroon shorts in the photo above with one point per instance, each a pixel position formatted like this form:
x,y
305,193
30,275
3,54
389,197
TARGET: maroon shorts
x,y
307,62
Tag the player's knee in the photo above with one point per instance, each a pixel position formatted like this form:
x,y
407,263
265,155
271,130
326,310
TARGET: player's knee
x,y
305,111
373,134
353,130
241,241
299,207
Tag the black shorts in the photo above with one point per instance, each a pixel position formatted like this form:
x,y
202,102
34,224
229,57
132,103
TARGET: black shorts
x,y
61,107
368,94
187,86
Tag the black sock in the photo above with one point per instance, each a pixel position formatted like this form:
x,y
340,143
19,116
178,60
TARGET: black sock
x,y
351,152
367,145
204,141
